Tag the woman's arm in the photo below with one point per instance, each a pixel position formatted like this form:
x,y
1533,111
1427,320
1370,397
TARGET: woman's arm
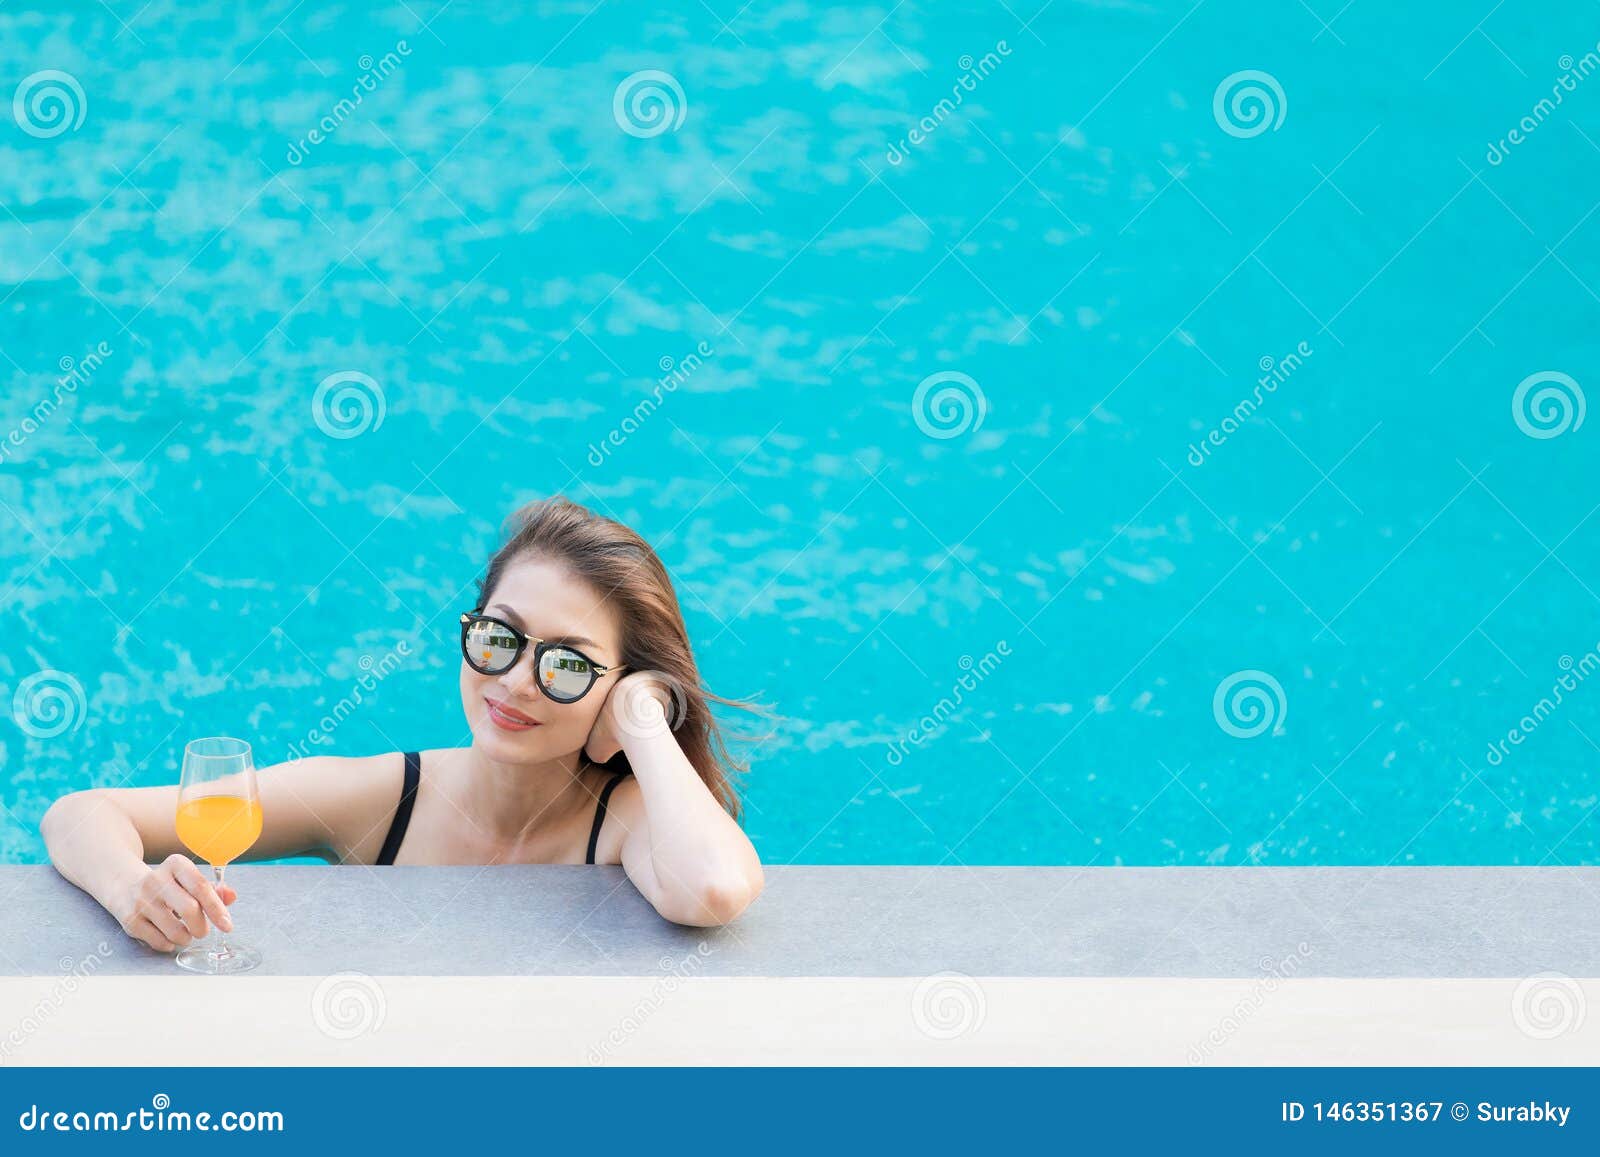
x,y
106,840
684,853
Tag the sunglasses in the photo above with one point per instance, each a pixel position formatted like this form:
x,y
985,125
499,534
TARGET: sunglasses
x,y
492,647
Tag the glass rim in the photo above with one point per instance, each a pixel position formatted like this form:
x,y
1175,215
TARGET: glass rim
x,y
242,747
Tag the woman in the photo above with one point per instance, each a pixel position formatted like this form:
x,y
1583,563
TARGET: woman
x,y
592,742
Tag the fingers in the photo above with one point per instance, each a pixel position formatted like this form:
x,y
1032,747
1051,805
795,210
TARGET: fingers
x,y
173,905
601,748
601,744
151,907
142,930
186,908
189,877
160,912
169,904
155,913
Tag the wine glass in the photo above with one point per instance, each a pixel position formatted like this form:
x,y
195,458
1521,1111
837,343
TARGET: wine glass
x,y
219,817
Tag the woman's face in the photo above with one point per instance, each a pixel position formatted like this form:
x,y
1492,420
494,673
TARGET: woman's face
x,y
513,721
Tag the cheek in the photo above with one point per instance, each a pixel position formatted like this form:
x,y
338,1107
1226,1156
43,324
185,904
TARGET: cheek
x,y
472,686
574,719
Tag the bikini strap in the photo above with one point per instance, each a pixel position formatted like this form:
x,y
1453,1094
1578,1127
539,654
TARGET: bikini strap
x,y
402,811
600,814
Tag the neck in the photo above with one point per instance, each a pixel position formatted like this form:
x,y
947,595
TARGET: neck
x,y
511,800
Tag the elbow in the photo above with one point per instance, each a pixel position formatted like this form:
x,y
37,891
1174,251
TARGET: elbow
x,y
65,815
58,815
717,901
727,902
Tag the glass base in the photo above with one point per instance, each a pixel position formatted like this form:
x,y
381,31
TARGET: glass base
x,y
217,961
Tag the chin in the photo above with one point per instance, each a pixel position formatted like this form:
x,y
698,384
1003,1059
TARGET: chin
x,y
513,746
506,745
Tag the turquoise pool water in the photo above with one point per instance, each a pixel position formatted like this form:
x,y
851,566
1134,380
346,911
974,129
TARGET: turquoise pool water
x,y
1087,466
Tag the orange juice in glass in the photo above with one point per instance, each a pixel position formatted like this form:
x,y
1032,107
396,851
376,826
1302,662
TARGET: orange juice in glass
x,y
219,818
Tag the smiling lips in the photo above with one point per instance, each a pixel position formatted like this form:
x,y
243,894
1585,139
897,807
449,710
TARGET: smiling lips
x,y
508,718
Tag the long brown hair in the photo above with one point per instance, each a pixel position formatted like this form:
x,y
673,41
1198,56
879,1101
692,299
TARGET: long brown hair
x,y
628,575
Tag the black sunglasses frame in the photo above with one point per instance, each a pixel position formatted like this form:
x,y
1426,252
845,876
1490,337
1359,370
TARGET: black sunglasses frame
x,y
597,671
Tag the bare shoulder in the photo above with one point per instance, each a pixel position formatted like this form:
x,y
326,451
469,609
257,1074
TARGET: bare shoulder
x,y
338,776
342,800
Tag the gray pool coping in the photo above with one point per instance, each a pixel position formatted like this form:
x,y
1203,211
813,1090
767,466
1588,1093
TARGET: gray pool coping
x,y
312,920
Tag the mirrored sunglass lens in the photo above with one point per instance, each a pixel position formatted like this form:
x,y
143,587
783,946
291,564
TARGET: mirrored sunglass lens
x,y
490,647
565,674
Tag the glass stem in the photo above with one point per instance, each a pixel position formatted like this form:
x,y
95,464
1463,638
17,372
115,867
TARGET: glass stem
x,y
220,948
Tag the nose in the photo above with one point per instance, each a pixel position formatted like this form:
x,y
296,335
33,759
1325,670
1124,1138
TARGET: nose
x,y
522,679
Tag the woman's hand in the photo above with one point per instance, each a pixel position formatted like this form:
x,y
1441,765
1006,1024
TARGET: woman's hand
x,y
639,706
168,906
